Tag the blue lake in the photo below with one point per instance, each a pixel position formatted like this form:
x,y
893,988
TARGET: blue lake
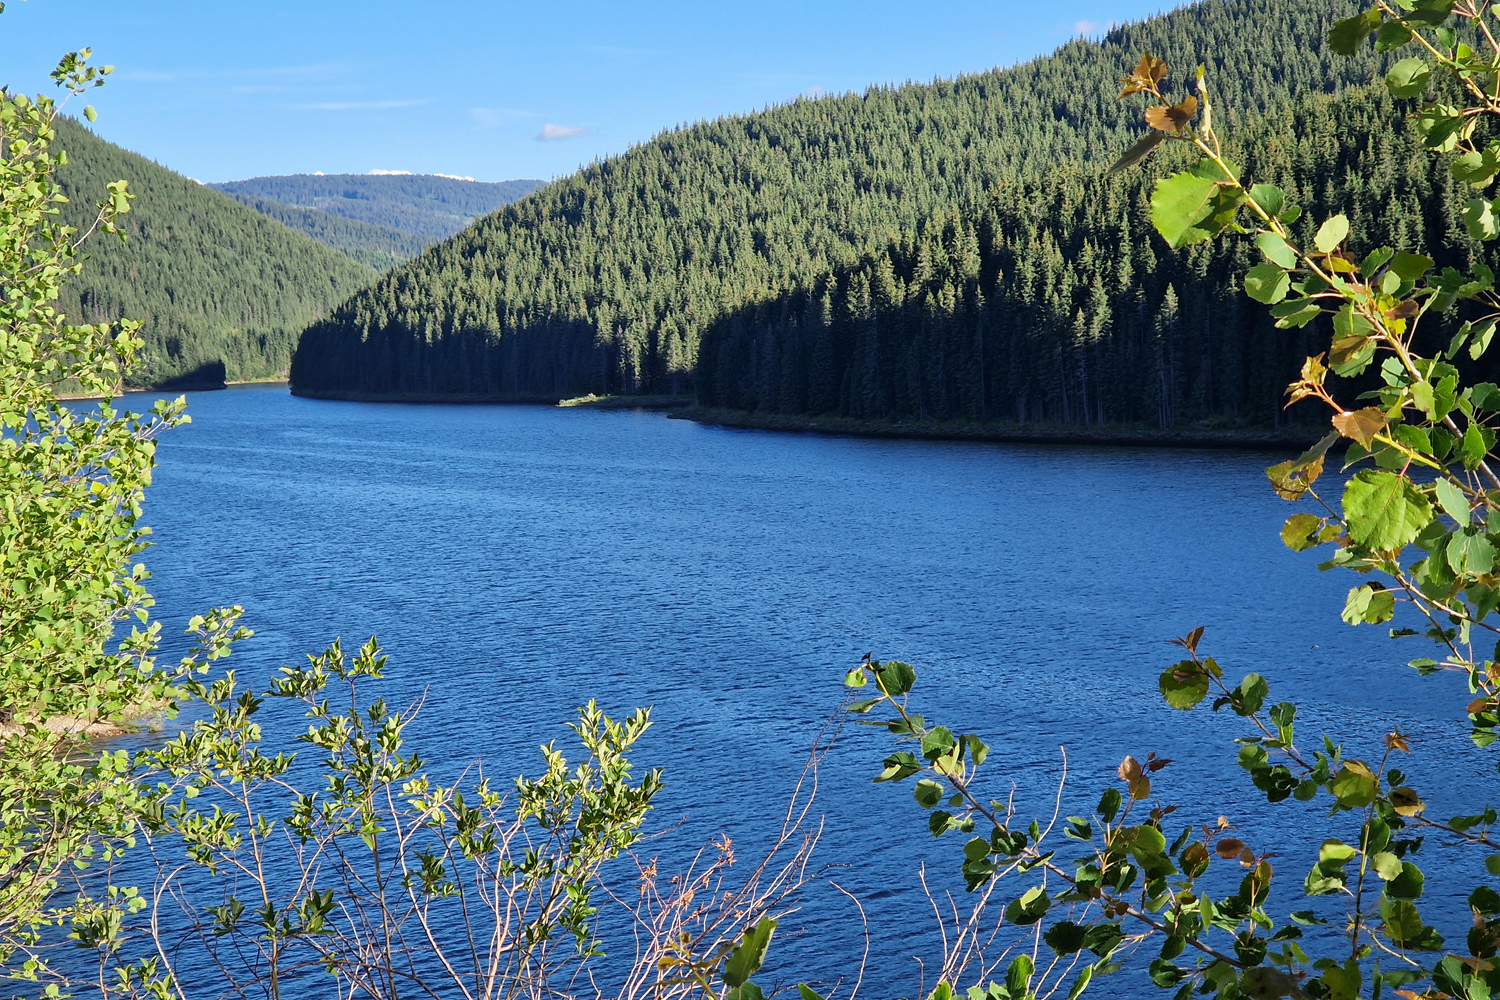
x,y
517,561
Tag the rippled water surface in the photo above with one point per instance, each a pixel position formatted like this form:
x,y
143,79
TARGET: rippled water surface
x,y
516,561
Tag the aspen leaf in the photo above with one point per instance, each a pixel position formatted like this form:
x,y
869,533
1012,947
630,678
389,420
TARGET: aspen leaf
x,y
1174,118
1331,233
1384,511
1183,685
1346,36
1361,425
1275,248
1267,283
1408,78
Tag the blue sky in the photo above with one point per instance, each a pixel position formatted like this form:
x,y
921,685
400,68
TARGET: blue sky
x,y
494,90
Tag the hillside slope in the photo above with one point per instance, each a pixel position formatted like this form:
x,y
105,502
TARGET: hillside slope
x,y
215,283
606,281
427,206
1059,303
374,246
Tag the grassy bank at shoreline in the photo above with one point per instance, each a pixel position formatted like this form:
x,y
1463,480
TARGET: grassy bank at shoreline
x,y
1136,435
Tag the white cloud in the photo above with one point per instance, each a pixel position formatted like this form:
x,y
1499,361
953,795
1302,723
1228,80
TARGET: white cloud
x,y
389,173
813,93
551,132
1087,28
358,105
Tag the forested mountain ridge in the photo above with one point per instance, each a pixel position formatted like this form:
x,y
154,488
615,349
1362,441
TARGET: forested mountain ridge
x,y
222,290
427,206
1059,303
375,246
606,280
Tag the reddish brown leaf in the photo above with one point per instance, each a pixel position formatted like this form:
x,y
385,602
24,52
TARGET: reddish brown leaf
x,y
1360,425
1229,847
1174,118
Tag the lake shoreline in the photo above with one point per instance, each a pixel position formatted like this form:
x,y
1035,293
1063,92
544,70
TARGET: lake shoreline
x,y
1128,435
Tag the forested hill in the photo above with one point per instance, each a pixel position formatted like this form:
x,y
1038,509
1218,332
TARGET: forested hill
x,y
605,281
379,247
222,290
427,206
1058,302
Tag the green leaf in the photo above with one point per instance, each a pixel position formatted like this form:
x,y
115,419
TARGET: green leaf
x,y
1353,786
1452,500
1479,219
746,959
938,741
1183,685
1408,884
1028,909
1267,283
1492,864
1065,937
1481,342
1276,249
1331,233
1346,36
808,993
1393,35
1300,531
1370,603
1335,852
1194,205
1109,804
1343,982
1384,511
1410,266
1146,841
1472,447
1475,169
1469,551
928,793
1408,78
1271,201
1386,865
895,678
1018,976
1442,127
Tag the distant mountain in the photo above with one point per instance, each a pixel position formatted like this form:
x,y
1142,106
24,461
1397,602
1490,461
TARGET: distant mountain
x,y
426,206
223,291
379,247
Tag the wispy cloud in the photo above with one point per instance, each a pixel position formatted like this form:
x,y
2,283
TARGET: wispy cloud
x,y
1087,28
495,117
552,133
813,93
359,105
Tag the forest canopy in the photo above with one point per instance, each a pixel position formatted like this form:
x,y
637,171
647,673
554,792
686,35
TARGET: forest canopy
x,y
221,290
609,281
